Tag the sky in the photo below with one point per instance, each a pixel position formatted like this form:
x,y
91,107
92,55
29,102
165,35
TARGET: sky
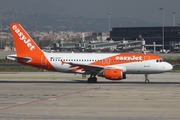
x,y
146,10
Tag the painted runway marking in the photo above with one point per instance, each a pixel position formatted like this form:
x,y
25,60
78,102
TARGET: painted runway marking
x,y
49,98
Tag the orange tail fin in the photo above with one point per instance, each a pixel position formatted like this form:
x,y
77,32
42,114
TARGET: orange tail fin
x,y
23,42
27,50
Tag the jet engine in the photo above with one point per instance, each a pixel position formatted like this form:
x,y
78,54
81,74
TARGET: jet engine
x,y
113,74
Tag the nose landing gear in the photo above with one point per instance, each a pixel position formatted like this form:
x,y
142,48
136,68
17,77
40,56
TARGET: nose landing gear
x,y
146,78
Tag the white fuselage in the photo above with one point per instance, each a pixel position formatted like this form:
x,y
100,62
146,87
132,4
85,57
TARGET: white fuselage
x,y
137,67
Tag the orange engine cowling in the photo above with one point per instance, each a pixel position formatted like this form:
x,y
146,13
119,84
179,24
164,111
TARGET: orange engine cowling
x,y
113,74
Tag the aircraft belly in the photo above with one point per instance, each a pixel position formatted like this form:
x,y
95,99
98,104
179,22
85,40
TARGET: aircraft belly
x,y
139,68
143,70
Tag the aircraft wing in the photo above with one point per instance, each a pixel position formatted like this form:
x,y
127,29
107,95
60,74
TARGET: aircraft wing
x,y
86,68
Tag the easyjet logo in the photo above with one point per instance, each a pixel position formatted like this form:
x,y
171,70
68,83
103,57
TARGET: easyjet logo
x,y
129,58
23,38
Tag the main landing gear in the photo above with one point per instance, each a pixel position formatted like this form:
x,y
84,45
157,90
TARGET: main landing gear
x,y
146,78
92,79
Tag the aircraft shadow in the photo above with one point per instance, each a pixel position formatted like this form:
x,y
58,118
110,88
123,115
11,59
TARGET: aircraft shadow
x,y
85,82
127,82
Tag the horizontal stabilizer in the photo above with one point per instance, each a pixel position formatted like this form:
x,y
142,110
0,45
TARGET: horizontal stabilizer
x,y
14,57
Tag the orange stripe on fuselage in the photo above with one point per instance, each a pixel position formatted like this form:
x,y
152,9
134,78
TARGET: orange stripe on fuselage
x,y
125,58
122,58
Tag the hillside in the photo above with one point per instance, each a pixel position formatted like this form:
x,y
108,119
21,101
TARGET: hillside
x,y
47,22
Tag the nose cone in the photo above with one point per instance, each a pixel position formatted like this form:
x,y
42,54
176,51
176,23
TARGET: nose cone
x,y
168,67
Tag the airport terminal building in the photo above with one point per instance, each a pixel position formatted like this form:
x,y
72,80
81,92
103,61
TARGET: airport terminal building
x,y
150,34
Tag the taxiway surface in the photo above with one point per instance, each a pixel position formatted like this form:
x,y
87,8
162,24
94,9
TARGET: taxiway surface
x,y
58,96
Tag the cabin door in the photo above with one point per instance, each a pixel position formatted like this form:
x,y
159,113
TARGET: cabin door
x,y
146,61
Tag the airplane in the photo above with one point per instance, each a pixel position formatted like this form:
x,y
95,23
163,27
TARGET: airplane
x,y
112,66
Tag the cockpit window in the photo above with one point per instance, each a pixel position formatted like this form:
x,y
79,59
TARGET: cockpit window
x,y
160,61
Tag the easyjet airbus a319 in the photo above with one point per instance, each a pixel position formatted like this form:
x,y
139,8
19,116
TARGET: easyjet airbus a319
x,y
112,66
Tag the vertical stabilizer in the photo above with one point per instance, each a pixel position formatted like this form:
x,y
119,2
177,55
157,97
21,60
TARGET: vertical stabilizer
x,y
23,42
27,51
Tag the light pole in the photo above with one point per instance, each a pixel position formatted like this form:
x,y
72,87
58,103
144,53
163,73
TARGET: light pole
x,y
1,25
35,28
174,18
109,14
162,9
13,12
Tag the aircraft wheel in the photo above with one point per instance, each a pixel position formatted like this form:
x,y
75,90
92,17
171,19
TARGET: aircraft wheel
x,y
146,78
92,80
89,80
147,81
